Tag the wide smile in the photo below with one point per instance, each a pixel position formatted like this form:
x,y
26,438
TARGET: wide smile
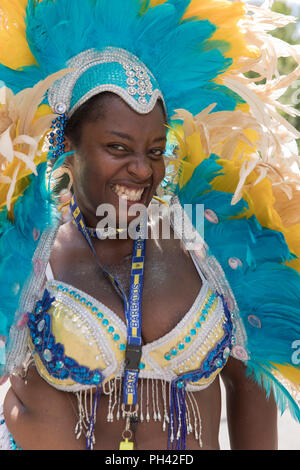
x,y
129,194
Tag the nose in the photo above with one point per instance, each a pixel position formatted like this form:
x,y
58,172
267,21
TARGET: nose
x,y
140,167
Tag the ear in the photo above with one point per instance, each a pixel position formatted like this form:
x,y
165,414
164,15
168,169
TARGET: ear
x,y
69,147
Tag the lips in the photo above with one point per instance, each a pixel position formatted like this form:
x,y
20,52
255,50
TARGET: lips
x,y
127,193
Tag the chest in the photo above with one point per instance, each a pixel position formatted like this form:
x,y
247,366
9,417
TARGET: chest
x,y
171,284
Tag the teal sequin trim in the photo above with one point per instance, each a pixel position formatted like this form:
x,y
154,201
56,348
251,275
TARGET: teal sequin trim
x,y
12,443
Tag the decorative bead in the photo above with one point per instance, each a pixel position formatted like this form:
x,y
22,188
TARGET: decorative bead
x,y
198,325
173,352
35,234
60,108
229,302
142,100
187,339
211,216
142,365
226,353
105,322
96,379
193,332
116,337
181,346
131,81
111,329
235,263
47,355
240,353
142,91
41,325
167,357
254,321
122,347
132,91
180,384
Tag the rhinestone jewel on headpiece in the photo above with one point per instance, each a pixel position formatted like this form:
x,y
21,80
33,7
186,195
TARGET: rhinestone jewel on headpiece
x,y
114,70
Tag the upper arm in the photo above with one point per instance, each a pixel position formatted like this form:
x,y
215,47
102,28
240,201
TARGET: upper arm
x,y
252,417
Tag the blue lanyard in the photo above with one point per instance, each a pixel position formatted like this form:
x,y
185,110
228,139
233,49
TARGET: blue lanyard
x,y
133,308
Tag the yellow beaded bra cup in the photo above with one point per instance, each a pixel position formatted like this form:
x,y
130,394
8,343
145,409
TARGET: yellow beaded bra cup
x,y
73,50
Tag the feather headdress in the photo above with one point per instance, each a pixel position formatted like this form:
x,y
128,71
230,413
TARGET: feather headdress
x,y
198,52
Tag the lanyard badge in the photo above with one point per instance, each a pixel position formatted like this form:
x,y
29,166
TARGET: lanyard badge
x,y
133,313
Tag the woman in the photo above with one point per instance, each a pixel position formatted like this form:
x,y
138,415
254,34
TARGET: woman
x,y
166,378
125,149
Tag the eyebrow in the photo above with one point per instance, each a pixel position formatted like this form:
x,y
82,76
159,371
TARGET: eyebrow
x,y
128,137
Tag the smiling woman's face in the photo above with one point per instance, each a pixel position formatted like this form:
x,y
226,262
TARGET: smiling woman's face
x,y
120,155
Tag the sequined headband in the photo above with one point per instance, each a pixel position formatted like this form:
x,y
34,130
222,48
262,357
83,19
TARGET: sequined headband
x,y
113,69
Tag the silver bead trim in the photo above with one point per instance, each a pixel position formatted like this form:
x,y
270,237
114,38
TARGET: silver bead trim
x,y
60,93
142,106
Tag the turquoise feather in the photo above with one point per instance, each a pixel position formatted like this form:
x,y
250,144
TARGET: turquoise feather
x,y
34,210
180,54
283,398
263,285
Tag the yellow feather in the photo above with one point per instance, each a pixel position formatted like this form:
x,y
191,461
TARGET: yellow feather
x,y
226,16
12,35
290,373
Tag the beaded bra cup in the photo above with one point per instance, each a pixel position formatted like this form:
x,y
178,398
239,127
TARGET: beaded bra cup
x,y
94,337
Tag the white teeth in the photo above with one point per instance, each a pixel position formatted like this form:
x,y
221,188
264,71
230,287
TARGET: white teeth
x,y
128,194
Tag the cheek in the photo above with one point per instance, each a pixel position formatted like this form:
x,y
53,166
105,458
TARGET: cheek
x,y
159,173
87,181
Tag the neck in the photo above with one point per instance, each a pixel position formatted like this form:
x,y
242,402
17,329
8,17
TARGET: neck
x,y
111,250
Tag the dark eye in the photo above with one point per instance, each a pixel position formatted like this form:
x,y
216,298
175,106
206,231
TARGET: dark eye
x,y
157,153
117,147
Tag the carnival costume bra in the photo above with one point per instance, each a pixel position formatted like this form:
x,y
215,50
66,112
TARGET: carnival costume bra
x,y
94,336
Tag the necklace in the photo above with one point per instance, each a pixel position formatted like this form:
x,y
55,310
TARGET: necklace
x,y
103,233
133,320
